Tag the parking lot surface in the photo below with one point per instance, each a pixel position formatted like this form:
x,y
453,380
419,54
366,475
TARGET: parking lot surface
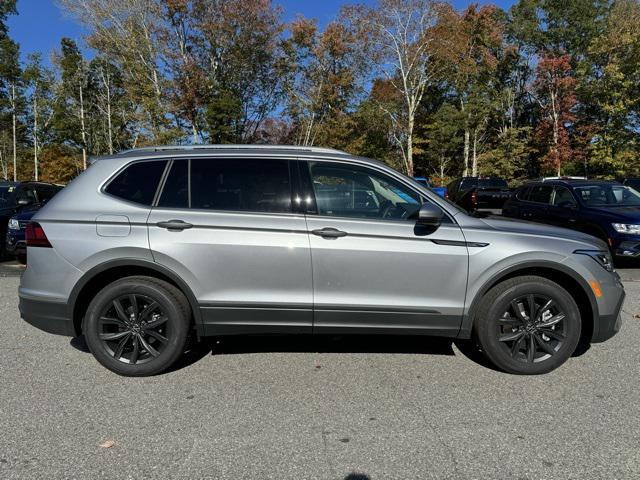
x,y
289,407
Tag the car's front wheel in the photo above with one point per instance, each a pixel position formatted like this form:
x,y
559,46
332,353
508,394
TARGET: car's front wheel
x,y
528,325
137,326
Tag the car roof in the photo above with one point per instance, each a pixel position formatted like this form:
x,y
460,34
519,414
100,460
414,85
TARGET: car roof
x,y
571,182
255,151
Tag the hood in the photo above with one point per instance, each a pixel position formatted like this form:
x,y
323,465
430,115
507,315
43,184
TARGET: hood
x,y
620,214
531,228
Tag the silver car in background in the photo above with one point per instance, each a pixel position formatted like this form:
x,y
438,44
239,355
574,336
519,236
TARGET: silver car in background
x,y
153,246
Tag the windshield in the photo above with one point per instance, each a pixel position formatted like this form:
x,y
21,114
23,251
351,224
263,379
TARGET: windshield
x,y
6,194
608,196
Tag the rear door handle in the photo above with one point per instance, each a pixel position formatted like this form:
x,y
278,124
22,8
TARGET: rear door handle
x,y
328,232
174,225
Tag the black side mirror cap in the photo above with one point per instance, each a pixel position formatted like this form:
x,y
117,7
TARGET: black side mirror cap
x,y
430,214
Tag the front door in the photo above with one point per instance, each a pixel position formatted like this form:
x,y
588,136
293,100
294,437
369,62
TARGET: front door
x,y
374,267
226,226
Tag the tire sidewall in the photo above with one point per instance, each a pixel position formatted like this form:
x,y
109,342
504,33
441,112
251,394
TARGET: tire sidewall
x,y
177,320
487,326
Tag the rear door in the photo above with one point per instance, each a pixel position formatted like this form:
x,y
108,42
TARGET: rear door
x,y
227,227
537,205
374,267
563,210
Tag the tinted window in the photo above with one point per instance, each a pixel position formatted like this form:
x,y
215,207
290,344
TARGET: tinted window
x,y
468,183
608,195
349,191
563,197
256,185
492,183
138,182
7,194
27,194
46,192
540,194
175,193
523,193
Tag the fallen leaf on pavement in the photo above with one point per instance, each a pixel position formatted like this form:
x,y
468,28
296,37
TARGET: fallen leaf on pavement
x,y
108,444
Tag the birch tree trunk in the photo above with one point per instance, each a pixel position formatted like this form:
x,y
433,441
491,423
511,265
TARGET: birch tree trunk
x,y
35,133
13,127
83,132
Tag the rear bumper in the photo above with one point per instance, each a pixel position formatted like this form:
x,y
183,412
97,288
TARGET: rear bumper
x,y
52,317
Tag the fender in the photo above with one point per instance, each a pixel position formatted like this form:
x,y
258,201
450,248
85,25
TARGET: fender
x,y
467,319
135,262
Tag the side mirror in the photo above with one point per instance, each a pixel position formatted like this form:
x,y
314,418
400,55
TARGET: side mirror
x,y
429,215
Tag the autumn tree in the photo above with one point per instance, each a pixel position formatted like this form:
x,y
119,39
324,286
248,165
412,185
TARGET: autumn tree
x,y
396,33
40,82
555,94
324,81
468,45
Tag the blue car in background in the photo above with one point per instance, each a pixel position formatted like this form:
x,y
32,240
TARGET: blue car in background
x,y
605,209
442,191
14,244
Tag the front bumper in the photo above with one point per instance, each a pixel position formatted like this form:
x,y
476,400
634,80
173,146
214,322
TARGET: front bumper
x,y
14,245
52,317
627,246
606,326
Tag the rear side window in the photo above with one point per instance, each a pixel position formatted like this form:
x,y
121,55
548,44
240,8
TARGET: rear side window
x,y
138,182
253,185
492,183
541,194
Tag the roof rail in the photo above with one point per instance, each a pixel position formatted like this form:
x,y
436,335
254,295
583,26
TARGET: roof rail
x,y
163,148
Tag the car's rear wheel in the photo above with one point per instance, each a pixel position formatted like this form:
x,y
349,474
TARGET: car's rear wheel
x,y
137,326
528,325
22,258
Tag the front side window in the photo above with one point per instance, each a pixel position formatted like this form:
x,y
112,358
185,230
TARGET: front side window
x,y
138,182
540,194
240,184
563,198
351,191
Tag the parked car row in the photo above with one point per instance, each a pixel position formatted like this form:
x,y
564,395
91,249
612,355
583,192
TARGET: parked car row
x,y
19,201
608,210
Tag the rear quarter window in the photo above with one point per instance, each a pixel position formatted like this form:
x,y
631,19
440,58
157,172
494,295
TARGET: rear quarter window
x,y
138,182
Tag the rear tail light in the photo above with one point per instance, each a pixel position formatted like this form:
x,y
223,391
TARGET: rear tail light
x,y
35,236
474,198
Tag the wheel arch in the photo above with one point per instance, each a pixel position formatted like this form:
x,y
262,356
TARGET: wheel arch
x,y
101,275
569,279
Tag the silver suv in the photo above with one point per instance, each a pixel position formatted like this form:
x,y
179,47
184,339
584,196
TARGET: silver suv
x,y
153,246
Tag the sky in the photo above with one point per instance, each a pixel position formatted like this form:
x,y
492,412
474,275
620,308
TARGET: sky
x,y
40,24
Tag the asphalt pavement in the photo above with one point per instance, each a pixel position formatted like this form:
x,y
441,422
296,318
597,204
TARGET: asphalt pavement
x,y
291,407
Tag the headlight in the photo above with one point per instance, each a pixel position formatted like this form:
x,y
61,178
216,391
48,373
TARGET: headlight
x,y
626,228
14,224
602,257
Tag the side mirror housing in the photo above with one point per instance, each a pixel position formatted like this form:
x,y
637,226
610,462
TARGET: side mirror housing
x,y
430,214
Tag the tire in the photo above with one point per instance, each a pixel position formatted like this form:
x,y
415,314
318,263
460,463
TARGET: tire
x,y
22,258
142,344
506,335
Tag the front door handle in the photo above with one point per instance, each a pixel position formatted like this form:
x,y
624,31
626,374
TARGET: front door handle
x,y
174,225
328,232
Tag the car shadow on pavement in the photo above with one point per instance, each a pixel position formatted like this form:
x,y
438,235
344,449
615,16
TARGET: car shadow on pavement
x,y
397,344
242,344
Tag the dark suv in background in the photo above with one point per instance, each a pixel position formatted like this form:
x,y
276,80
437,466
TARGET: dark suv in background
x,y
479,194
604,209
18,197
